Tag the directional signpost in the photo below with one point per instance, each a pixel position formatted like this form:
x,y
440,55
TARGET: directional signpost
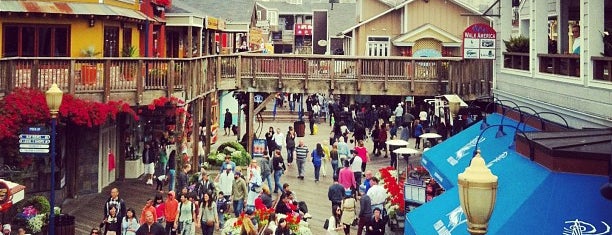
x,y
35,140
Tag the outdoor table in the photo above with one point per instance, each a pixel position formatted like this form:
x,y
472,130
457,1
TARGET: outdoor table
x,y
404,151
396,143
430,137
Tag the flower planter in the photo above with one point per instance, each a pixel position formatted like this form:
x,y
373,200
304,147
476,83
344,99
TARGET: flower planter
x,y
133,169
88,74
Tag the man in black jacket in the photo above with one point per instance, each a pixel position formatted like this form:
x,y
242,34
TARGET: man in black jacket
x,y
376,225
117,202
335,194
150,227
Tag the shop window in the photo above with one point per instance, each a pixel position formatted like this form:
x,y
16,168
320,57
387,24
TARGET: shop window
x,y
36,41
273,17
111,41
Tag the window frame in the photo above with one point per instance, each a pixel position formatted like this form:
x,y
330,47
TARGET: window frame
x,y
36,47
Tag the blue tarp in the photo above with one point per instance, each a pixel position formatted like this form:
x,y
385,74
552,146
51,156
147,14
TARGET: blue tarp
x,y
530,198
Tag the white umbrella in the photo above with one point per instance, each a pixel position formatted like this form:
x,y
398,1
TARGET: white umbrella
x,y
406,151
397,142
430,135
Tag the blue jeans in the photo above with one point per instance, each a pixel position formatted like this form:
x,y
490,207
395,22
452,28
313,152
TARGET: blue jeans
x,y
171,174
334,164
208,230
300,166
317,169
238,205
221,219
277,183
292,106
269,179
290,154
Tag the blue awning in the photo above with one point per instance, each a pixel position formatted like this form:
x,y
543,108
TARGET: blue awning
x,y
530,198
449,158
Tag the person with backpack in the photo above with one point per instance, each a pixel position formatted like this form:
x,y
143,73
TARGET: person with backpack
x,y
204,186
317,160
186,216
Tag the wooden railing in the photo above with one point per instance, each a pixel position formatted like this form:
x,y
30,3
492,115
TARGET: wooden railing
x,y
516,60
109,78
561,64
602,68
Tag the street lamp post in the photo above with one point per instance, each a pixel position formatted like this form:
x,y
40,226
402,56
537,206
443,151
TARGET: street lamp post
x,y
477,194
54,100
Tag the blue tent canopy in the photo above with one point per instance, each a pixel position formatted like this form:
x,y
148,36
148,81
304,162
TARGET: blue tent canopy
x,y
530,198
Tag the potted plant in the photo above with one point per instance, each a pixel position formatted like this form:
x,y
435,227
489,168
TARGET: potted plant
x,y
129,69
88,71
517,44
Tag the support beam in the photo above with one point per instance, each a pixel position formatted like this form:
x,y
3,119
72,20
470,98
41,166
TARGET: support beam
x,y
208,118
263,104
250,123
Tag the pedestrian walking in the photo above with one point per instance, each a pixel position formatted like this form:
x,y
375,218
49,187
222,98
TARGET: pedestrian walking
x,y
333,224
349,208
171,170
183,178
278,165
335,158
170,212
186,216
148,208
227,122
335,193
279,139
382,139
301,152
362,152
365,211
346,177
148,159
266,169
418,131
270,143
130,224
151,227
317,160
356,164
290,143
239,194
376,225
118,203
208,217
111,224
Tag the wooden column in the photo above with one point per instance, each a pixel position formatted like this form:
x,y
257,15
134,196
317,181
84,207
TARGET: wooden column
x,y
195,140
250,124
208,118
106,81
170,76
189,50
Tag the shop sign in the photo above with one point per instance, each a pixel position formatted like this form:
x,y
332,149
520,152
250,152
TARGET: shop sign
x,y
212,23
35,140
303,29
259,146
479,42
221,25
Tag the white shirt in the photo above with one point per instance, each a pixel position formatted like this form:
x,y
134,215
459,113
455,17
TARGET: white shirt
x,y
225,182
377,194
331,229
279,138
356,166
399,111
423,116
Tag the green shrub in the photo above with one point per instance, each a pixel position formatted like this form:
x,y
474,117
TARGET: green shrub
x,y
517,44
41,204
239,155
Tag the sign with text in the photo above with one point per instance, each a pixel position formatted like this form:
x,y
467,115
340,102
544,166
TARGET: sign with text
x,y
479,42
259,147
303,29
34,140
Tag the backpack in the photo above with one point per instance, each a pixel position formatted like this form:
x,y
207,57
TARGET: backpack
x,y
326,224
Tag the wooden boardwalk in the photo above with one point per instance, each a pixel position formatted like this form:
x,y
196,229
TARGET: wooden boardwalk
x,y
88,209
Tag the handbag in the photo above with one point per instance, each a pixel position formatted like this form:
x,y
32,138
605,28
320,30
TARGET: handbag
x,y
180,226
210,222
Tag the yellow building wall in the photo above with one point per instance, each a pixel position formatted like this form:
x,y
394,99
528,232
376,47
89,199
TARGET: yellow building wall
x,y
82,37
372,8
443,14
387,25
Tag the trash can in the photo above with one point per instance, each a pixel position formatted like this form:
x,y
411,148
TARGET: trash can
x,y
300,128
64,224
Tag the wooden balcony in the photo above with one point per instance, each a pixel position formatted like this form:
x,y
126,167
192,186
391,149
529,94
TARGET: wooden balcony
x,y
139,80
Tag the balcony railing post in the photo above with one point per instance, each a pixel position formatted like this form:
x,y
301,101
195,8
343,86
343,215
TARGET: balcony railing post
x,y
139,81
332,74
307,74
239,72
72,77
253,68
106,80
9,76
358,73
170,76
280,72
34,75
386,72
412,75
219,69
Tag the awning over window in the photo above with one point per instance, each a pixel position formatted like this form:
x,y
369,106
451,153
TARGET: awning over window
x,y
69,8
427,31
530,198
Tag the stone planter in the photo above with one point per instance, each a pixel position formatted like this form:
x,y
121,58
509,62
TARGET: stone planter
x,y
134,169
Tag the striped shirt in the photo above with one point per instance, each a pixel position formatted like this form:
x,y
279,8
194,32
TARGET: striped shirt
x,y
301,152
